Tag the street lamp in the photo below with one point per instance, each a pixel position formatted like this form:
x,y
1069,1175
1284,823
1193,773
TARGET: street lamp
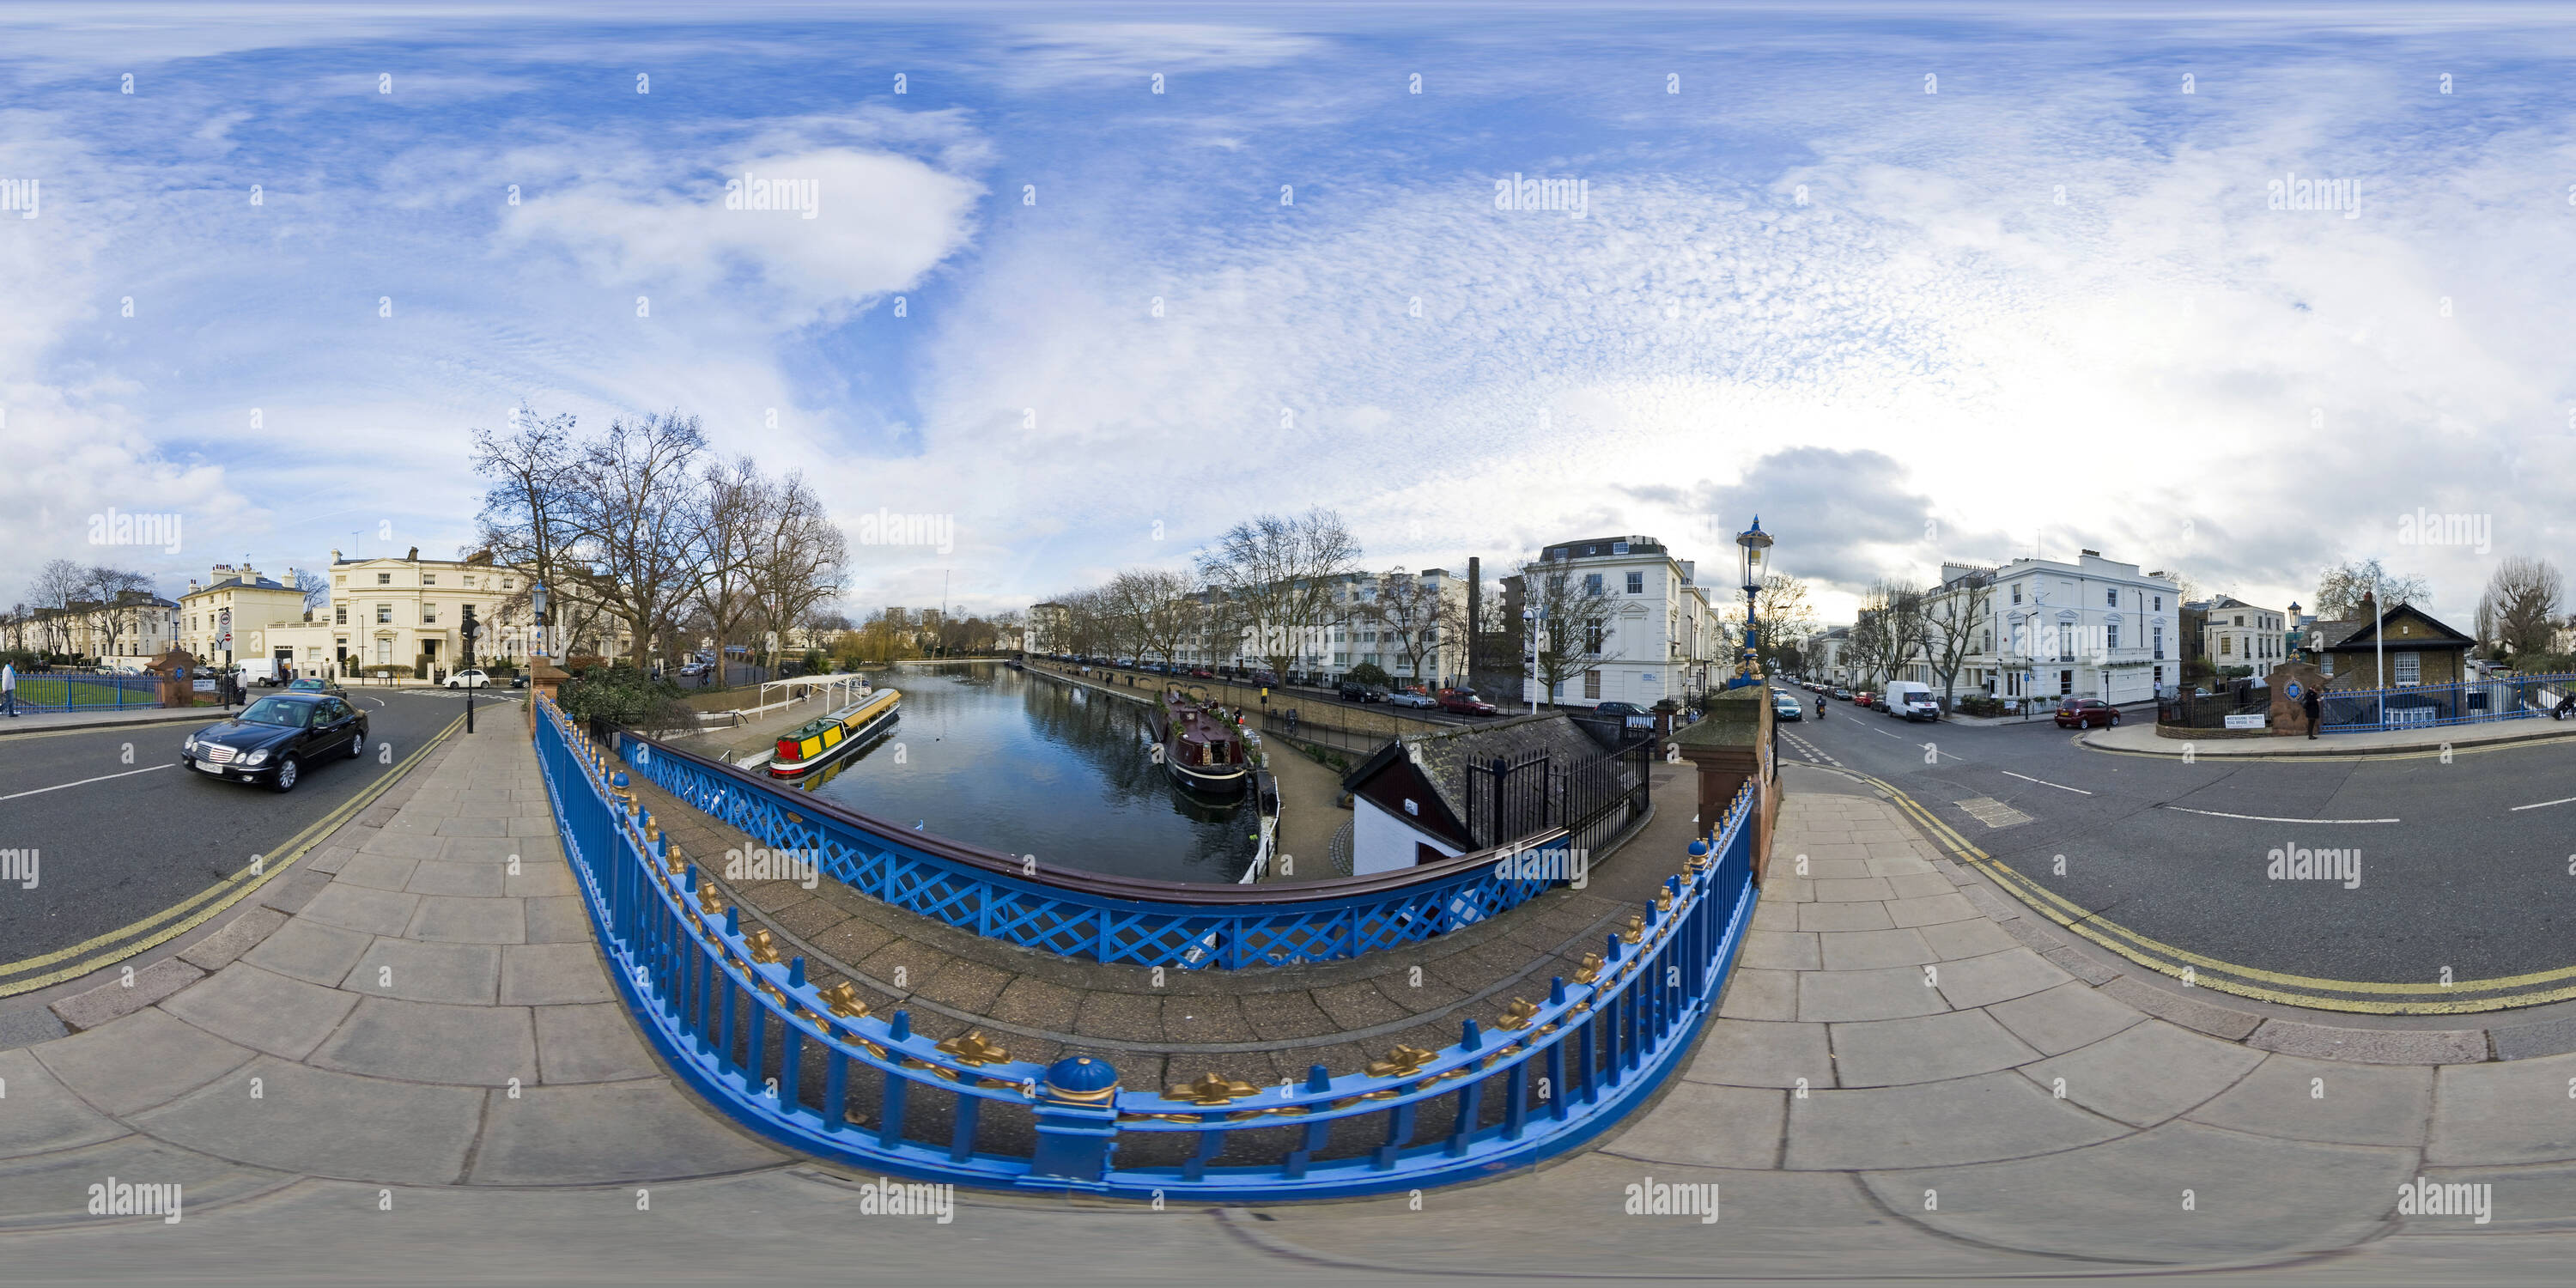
x,y
1530,615
1757,556
537,607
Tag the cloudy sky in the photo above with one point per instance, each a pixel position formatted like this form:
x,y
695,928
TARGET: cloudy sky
x,y
1914,290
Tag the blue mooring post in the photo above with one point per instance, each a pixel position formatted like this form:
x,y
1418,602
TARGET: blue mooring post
x,y
1077,1122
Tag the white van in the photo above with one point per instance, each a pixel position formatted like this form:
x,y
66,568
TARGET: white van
x,y
1911,699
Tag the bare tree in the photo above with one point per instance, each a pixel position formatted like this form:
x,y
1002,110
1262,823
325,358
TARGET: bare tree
x,y
525,521
2340,590
1901,609
1408,612
1868,646
1572,617
1159,610
1956,616
1277,576
1782,619
636,507
2518,611
737,502
799,560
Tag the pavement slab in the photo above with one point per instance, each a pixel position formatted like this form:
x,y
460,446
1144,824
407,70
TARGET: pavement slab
x,y
2146,1073
262,1009
43,1114
2329,1101
433,1042
1929,1048
2520,1111
318,1122
1763,1053
607,1132
1929,1124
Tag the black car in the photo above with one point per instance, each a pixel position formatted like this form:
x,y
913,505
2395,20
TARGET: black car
x,y
274,739
1354,691
1619,709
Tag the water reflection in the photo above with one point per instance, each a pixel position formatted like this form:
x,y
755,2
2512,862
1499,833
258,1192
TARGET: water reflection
x,y
999,758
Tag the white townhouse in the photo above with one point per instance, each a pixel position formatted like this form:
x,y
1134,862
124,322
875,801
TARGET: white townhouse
x,y
1353,631
2093,628
1661,639
2240,634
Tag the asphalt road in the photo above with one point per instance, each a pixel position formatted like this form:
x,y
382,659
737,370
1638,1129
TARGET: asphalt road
x,y
124,833
2452,876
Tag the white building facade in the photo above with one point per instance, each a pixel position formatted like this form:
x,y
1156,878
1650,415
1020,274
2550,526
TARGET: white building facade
x,y
2092,628
2240,634
1661,639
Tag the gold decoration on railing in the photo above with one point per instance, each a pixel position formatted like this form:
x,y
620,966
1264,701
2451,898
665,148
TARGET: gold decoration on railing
x,y
1635,931
1402,1062
1590,970
1213,1088
844,1000
1518,1015
652,830
764,946
708,903
1664,900
674,863
973,1049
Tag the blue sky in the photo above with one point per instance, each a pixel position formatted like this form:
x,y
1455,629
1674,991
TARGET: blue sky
x,y
2046,306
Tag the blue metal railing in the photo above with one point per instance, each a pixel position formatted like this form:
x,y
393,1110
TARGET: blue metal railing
x,y
2517,697
1098,918
811,1068
54,691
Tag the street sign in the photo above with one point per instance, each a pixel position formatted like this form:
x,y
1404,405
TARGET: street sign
x,y
2245,722
2294,690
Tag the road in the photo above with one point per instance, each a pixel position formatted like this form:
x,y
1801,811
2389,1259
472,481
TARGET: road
x,y
2464,876
129,842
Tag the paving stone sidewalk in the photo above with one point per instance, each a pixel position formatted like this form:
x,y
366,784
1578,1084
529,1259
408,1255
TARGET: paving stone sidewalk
x,y
418,1002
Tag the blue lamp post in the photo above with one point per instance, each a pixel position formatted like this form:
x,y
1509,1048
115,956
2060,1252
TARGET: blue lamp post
x,y
1757,555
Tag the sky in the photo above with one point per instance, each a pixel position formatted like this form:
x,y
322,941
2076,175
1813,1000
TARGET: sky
x,y
1096,282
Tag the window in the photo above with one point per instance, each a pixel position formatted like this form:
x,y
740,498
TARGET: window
x,y
2410,668
1592,685
2111,636
2160,646
2160,603
2226,645
2016,592
1987,641
2066,639
507,584
2325,665
385,651
384,579
2240,619
2160,677
2065,683
429,579
1592,583
2112,597
385,613
429,614
340,615
1592,642
1636,583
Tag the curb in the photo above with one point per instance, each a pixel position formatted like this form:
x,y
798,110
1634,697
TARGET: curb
x,y
2263,747
199,716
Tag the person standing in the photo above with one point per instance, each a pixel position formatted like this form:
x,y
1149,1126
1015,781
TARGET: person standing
x,y
2310,704
9,690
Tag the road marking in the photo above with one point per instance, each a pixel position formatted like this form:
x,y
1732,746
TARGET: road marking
x,y
231,890
2542,805
82,783
2266,818
1992,812
2043,782
2169,960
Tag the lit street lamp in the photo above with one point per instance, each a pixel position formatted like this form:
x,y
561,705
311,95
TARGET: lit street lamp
x,y
1757,554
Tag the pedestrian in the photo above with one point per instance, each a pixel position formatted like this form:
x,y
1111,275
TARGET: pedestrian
x,y
9,690
2310,704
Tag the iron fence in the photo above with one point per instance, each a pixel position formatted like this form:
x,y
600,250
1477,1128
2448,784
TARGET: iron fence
x,y
2210,711
1592,800
810,1066
58,691
1295,726
2516,697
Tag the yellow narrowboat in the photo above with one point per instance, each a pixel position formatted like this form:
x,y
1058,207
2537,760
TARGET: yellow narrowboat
x,y
808,746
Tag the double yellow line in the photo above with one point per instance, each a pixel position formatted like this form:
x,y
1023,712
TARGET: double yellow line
x,y
2359,996
171,922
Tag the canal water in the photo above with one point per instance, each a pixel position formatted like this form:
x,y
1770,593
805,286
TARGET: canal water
x,y
996,757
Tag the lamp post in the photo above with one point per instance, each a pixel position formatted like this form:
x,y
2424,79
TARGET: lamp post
x,y
1757,555
537,607
1530,615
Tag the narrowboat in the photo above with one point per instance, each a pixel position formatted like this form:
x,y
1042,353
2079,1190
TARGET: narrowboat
x,y
1201,748
808,746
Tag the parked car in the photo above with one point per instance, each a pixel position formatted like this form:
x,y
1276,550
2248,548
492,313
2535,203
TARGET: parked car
x,y
1201,673
2084,713
1788,707
688,669
1465,702
1861,698
1408,698
1620,709
1842,694
273,739
309,685
1266,678
1354,691
471,677
519,681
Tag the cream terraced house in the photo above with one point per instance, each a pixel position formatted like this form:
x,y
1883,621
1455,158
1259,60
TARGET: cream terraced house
x,y
2093,628
231,615
2240,634
410,612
